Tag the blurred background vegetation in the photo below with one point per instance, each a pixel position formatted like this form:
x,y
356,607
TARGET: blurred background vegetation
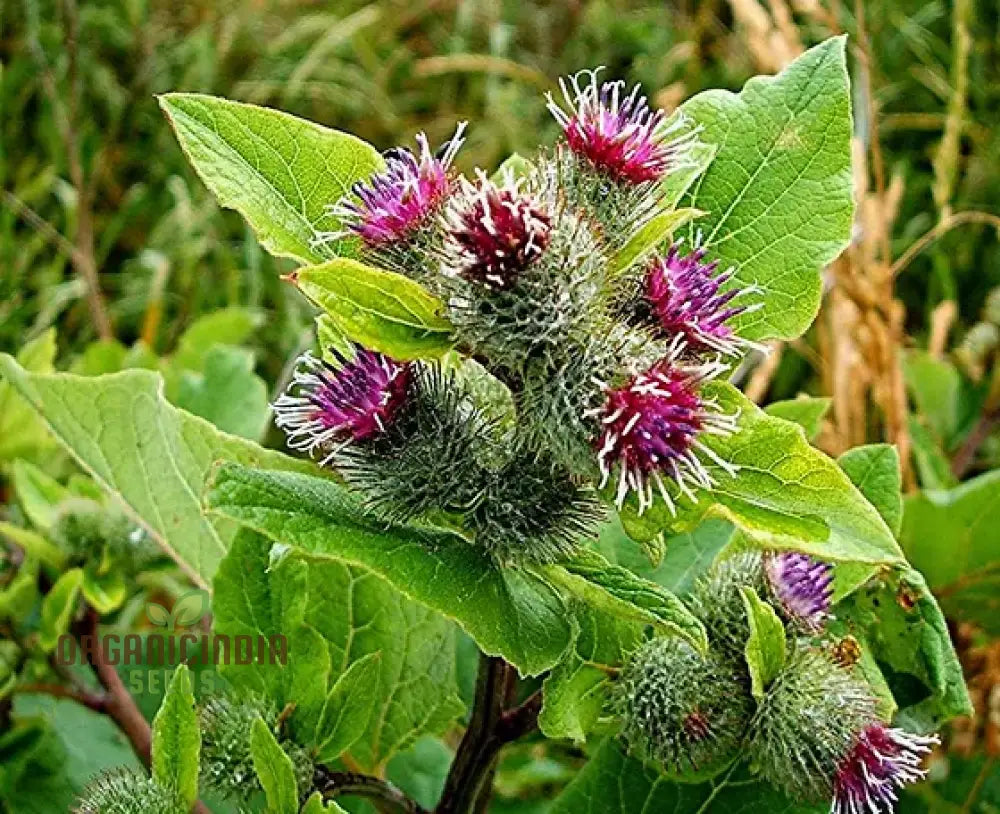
x,y
108,237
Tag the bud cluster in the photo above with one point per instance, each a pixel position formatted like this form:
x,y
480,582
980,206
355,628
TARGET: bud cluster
x,y
127,791
604,396
226,762
90,532
815,733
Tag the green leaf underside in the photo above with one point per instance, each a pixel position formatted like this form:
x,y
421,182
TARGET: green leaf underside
x,y
806,411
687,556
279,172
508,612
786,494
151,456
275,770
177,738
779,192
379,309
964,573
622,593
765,650
614,783
352,614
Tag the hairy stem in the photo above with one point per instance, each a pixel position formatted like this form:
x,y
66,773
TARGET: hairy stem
x,y
385,795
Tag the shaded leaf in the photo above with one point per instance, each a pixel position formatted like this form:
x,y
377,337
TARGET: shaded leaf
x,y
228,393
613,783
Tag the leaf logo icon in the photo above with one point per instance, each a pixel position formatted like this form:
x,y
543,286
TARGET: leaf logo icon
x,y
188,609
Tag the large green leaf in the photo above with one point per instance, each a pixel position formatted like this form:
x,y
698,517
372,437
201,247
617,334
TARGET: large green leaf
x,y
177,738
953,537
279,172
358,614
150,455
354,614
779,192
510,613
613,783
379,309
785,494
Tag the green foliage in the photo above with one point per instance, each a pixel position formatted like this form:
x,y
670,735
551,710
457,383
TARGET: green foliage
x,y
783,167
176,739
965,573
348,708
378,309
255,160
508,612
786,494
613,783
274,769
161,480
368,607
766,650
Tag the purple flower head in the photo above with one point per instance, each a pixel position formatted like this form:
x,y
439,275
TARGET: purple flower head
x,y
684,295
392,204
802,585
650,427
617,132
494,233
328,406
881,761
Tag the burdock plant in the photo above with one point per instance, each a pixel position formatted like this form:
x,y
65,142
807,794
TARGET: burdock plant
x,y
508,361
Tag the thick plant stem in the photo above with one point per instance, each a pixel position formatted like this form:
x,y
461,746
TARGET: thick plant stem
x,y
476,752
469,785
